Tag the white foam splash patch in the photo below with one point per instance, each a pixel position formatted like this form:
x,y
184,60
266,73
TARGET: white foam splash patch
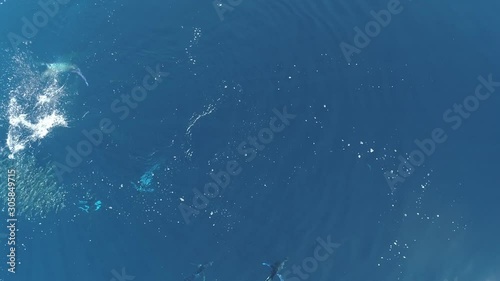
x,y
34,107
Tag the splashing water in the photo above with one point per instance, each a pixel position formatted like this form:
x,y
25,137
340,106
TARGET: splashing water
x,y
33,108
34,104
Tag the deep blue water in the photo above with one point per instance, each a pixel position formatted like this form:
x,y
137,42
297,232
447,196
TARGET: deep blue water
x,y
322,177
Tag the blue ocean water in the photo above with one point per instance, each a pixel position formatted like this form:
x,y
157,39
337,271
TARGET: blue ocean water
x,y
357,139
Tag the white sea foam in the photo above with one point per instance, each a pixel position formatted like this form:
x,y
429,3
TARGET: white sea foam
x,y
35,104
33,108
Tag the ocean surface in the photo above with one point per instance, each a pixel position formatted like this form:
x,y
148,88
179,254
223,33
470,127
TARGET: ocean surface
x,y
197,140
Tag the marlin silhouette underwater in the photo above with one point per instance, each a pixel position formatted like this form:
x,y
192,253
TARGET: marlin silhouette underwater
x,y
199,270
61,67
275,269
